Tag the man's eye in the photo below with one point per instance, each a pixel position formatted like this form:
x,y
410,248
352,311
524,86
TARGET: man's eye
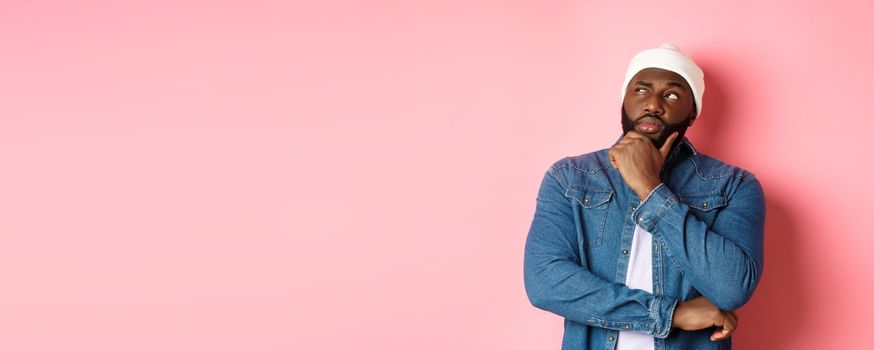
x,y
640,89
672,96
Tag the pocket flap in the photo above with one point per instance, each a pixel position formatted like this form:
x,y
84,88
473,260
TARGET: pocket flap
x,y
705,202
590,198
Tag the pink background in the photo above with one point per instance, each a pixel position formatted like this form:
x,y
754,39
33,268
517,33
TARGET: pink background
x,y
362,174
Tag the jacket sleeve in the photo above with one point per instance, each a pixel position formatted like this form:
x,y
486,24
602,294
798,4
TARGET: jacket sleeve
x,y
556,281
724,262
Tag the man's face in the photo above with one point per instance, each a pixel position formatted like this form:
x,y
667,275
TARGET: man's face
x,y
657,103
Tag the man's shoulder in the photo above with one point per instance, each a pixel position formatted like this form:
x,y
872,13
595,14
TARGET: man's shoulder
x,y
583,170
591,162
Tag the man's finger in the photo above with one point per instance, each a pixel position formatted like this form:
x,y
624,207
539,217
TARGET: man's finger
x,y
611,154
613,161
719,334
666,148
733,316
728,327
635,135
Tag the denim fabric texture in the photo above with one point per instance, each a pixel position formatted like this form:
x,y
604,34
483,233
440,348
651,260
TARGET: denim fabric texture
x,y
707,224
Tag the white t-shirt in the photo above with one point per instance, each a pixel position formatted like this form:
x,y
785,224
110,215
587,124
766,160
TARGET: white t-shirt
x,y
639,276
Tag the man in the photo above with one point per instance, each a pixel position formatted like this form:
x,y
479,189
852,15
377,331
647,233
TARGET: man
x,y
648,244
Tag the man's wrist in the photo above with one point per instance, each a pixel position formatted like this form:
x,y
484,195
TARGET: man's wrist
x,y
645,190
676,318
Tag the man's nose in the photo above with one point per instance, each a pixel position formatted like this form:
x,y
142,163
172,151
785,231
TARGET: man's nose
x,y
653,105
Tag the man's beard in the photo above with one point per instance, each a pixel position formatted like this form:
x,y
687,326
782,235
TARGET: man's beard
x,y
667,129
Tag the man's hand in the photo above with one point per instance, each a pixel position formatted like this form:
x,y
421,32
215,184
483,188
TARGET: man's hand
x,y
700,313
639,161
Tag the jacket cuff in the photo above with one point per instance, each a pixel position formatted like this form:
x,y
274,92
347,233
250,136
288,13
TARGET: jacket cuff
x,y
654,207
664,316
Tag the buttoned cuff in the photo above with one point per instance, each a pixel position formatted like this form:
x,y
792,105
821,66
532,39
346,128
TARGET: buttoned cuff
x,y
654,207
661,315
664,316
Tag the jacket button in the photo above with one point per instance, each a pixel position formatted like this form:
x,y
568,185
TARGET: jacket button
x,y
633,208
626,326
624,251
610,338
640,219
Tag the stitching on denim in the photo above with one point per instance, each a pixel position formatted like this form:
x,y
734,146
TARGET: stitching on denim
x,y
587,171
605,202
592,243
590,188
677,264
746,177
587,189
568,164
740,172
654,307
657,210
701,194
616,324
715,194
669,202
654,312
670,312
554,173
671,256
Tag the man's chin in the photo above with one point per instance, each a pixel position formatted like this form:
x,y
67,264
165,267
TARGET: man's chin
x,y
656,138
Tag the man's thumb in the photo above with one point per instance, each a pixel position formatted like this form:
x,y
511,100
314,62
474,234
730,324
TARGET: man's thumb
x,y
666,148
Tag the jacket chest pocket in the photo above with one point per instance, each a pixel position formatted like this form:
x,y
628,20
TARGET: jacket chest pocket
x,y
705,207
590,214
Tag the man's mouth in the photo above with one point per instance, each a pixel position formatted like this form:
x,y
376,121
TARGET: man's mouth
x,y
648,125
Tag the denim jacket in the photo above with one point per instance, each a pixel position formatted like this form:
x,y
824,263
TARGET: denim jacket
x,y
706,219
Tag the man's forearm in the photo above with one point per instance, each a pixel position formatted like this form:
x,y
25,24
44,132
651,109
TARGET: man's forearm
x,y
567,289
723,261
557,280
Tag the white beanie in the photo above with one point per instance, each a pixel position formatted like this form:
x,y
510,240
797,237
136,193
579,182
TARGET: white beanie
x,y
668,57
